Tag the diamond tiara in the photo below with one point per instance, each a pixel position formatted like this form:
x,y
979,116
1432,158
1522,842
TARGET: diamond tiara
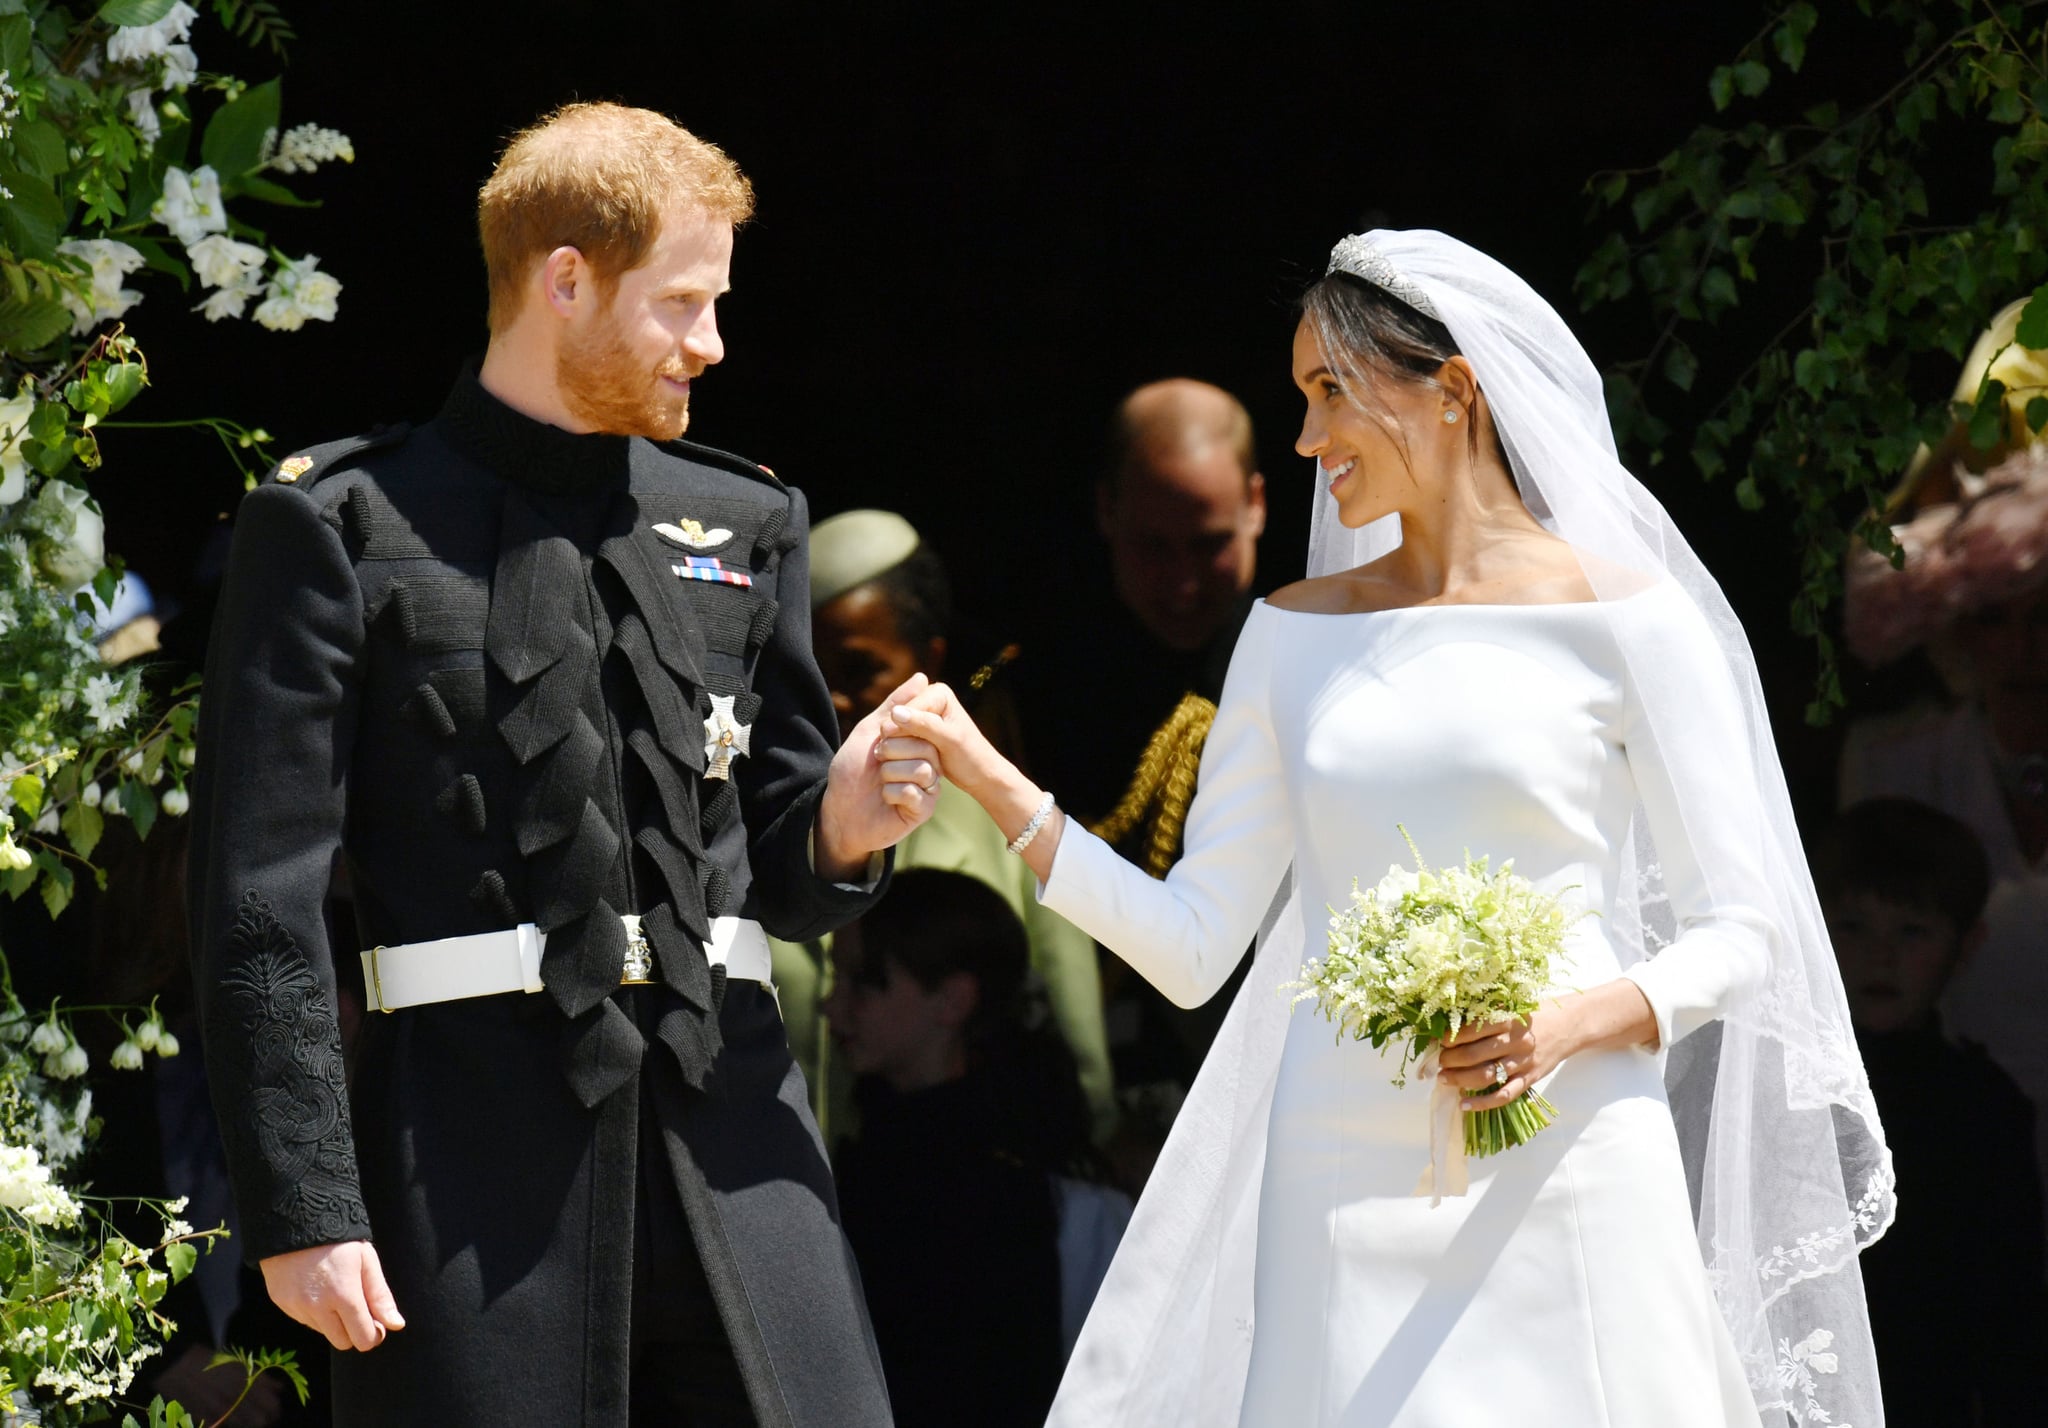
x,y
1358,256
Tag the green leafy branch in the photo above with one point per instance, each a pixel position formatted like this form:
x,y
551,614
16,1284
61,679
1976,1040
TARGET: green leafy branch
x,y
1867,283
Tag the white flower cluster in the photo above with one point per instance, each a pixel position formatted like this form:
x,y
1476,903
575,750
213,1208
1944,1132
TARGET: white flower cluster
x,y
1428,951
26,1189
152,1035
234,270
109,260
299,292
14,414
63,1058
301,150
10,106
190,205
111,701
139,44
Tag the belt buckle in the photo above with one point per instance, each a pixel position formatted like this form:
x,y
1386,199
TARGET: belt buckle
x,y
639,968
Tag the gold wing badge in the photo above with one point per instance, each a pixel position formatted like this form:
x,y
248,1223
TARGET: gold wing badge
x,y
691,535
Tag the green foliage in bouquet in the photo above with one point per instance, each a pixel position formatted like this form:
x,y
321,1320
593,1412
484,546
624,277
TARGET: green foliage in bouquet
x,y
1425,953
1814,273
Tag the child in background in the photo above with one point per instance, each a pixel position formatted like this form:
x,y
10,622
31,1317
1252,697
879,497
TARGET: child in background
x,y
1956,1292
972,1120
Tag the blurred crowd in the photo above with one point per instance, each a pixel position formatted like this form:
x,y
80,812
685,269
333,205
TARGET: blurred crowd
x,y
994,1089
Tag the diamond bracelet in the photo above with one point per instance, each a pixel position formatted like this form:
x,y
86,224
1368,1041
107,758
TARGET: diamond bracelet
x,y
1023,840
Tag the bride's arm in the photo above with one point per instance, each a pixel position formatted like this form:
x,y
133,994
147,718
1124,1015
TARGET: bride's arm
x,y
1692,768
1183,935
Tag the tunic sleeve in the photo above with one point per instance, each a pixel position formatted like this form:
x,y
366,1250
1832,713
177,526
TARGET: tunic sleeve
x,y
784,776
1186,934
1692,772
277,723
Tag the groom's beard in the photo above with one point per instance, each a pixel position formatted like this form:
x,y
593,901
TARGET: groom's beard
x,y
608,389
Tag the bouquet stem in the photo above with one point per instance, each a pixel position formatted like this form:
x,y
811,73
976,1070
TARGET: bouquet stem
x,y
1492,1131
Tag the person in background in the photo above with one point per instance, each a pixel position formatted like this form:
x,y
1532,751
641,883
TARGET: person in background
x,y
1903,887
881,603
965,1194
1973,597
1180,506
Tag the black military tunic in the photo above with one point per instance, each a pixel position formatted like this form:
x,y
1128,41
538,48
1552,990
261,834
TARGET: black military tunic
x,y
462,659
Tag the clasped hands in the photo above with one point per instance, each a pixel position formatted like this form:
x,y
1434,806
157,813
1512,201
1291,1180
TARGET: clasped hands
x,y
1502,1059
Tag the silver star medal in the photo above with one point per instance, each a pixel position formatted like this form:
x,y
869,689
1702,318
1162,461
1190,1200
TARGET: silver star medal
x,y
725,737
691,534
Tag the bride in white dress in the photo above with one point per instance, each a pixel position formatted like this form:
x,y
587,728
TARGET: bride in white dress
x,y
1539,670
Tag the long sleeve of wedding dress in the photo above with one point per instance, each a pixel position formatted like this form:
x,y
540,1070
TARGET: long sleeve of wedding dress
x,y
1707,825
1185,935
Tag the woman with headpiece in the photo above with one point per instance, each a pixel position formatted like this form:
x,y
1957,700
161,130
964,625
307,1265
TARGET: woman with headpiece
x,y
1540,670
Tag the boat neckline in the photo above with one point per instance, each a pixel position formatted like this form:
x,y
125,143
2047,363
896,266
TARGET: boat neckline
x,y
1462,605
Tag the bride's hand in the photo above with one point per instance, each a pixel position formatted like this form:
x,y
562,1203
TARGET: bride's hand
x,y
1509,1055
1514,1055
972,763
965,755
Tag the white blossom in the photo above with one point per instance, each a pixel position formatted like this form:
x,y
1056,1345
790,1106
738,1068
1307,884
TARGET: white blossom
x,y
181,67
191,205
68,1064
299,292
110,701
233,269
305,148
146,1035
166,1044
177,802
218,260
10,107
12,857
91,795
126,1057
74,544
62,1135
110,260
49,1036
134,43
142,114
26,1187
14,415
47,821
133,763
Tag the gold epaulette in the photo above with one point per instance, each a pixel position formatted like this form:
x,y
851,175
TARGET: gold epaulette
x,y
1163,786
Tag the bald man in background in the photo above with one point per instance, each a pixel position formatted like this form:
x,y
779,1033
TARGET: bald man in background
x,y
1180,505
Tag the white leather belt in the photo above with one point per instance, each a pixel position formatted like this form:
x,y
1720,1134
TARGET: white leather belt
x,y
487,964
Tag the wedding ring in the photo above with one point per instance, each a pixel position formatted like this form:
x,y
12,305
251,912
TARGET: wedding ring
x,y
1500,1072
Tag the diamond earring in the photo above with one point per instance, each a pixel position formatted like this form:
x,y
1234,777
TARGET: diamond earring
x,y
1451,416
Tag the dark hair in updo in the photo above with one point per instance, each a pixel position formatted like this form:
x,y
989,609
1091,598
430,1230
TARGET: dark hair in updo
x,y
1366,332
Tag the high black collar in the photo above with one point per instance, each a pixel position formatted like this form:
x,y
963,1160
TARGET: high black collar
x,y
532,453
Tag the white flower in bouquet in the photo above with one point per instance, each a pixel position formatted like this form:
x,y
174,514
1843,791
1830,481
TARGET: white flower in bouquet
x,y
166,1044
110,261
91,795
299,292
191,205
1429,951
133,44
177,802
126,1057
68,1064
14,415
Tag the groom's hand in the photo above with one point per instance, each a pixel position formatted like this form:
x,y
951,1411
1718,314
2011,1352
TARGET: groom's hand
x,y
881,786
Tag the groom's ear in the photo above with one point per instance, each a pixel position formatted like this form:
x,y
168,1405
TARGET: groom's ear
x,y
567,281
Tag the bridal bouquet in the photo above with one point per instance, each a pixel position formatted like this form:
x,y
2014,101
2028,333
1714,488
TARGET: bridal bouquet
x,y
1429,952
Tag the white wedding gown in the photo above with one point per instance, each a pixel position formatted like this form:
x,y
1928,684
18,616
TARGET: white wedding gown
x,y
1567,1289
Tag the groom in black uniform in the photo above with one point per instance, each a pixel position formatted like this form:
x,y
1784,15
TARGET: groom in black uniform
x,y
540,673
